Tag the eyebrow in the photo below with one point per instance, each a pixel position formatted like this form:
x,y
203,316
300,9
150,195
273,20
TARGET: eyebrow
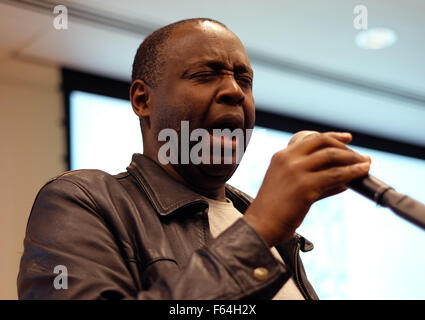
x,y
220,65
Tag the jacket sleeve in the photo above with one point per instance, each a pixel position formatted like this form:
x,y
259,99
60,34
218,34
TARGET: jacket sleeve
x,y
65,222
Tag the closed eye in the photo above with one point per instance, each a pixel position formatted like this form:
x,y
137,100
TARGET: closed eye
x,y
245,80
203,74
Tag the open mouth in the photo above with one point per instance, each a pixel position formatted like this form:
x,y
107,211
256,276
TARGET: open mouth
x,y
226,131
224,141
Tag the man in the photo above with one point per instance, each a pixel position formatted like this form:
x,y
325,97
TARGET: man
x,y
176,230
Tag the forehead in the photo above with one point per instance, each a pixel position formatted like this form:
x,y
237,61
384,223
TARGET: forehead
x,y
196,44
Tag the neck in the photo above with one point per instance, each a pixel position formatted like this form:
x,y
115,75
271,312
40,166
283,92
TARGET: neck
x,y
217,192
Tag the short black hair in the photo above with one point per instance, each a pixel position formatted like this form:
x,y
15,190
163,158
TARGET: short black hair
x,y
149,56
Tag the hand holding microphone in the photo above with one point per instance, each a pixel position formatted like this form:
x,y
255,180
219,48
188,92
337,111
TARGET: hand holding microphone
x,y
313,166
368,186
381,193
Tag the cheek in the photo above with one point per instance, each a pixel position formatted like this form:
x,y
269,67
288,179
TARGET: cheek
x,y
193,105
176,108
250,114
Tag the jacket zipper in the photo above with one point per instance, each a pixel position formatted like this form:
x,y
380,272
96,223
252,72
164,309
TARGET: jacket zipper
x,y
298,281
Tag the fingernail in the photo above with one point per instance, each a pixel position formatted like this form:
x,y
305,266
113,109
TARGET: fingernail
x,y
345,134
364,165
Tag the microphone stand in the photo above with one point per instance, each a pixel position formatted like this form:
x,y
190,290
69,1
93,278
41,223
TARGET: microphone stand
x,y
386,196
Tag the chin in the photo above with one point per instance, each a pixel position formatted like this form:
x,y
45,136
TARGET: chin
x,y
208,176
220,172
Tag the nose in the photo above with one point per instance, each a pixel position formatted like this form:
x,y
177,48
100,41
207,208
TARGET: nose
x,y
230,92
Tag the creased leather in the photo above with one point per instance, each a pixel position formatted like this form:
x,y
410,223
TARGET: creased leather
x,y
140,235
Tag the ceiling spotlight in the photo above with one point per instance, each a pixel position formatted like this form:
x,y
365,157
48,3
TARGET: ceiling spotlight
x,y
376,38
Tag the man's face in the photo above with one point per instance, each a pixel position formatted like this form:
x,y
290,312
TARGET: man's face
x,y
206,80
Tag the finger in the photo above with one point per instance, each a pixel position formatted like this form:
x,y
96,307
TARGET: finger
x,y
327,157
344,137
330,178
303,135
315,142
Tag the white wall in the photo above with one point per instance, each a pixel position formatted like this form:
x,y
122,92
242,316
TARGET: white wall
x,y
32,148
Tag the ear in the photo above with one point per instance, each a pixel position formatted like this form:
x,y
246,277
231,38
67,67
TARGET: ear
x,y
139,98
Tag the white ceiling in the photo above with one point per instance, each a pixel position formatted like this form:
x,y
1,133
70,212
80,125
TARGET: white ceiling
x,y
316,70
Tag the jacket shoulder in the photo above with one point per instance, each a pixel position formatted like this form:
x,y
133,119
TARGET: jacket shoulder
x,y
87,185
87,176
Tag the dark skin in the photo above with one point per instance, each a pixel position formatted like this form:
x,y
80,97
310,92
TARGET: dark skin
x,y
206,78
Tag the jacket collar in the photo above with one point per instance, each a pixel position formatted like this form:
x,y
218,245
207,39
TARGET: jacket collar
x,y
168,195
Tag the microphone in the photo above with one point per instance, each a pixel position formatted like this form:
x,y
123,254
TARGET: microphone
x,y
380,193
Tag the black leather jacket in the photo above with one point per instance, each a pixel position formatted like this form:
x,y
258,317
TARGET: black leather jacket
x,y
142,235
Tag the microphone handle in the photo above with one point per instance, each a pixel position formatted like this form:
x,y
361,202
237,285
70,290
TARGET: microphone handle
x,y
405,207
370,187
384,195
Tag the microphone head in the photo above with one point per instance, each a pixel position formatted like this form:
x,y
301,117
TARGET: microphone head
x,y
301,135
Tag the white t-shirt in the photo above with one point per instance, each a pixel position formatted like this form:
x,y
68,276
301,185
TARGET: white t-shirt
x,y
222,215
